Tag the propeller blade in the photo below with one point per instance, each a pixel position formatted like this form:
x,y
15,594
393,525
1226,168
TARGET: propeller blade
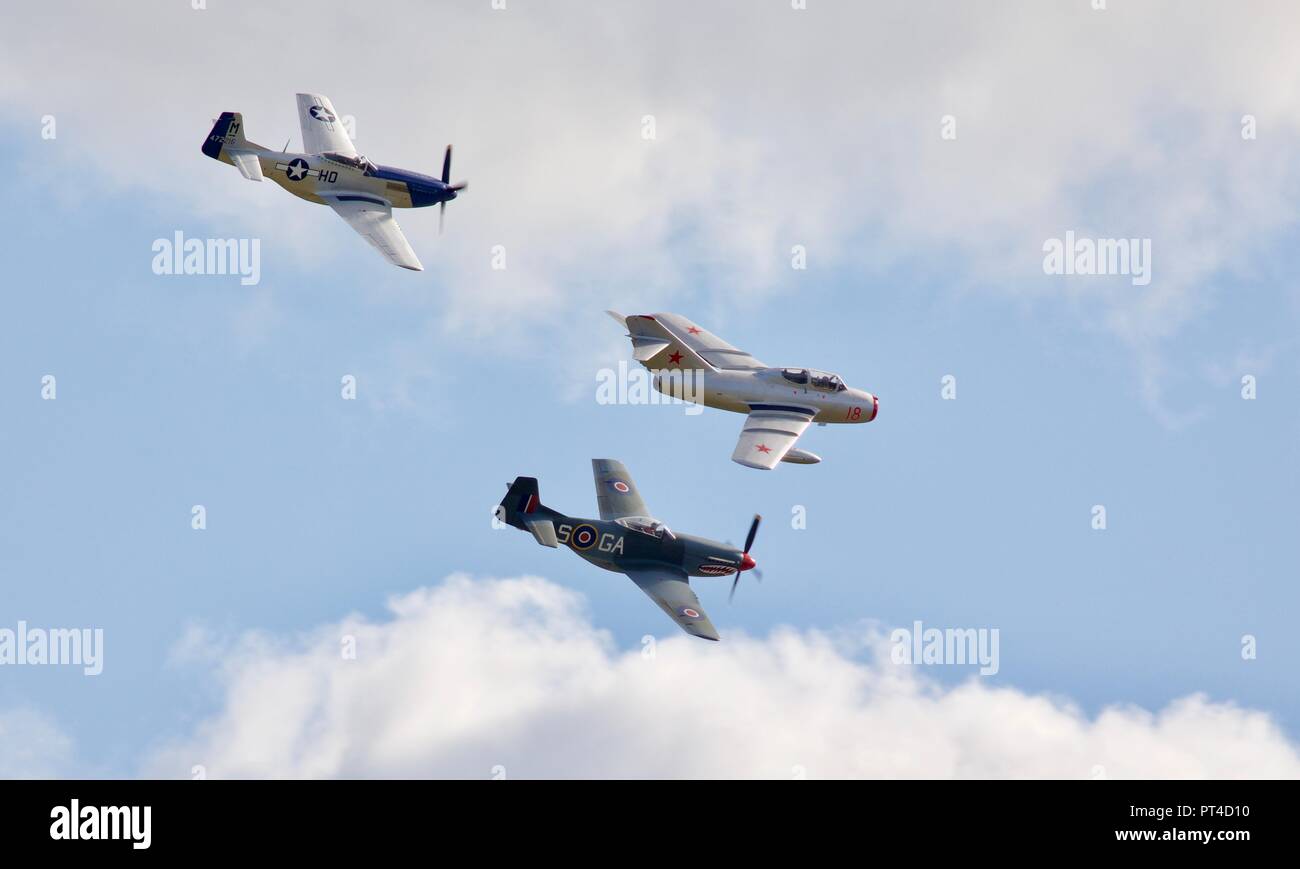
x,y
446,166
753,531
459,185
749,543
442,215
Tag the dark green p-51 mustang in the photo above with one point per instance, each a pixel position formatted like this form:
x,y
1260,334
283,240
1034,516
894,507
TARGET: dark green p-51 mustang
x,y
626,539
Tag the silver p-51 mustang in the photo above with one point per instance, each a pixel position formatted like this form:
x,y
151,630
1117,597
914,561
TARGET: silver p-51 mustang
x,y
332,173
780,403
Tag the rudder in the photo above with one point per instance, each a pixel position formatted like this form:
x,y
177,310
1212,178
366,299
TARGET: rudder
x,y
227,132
522,508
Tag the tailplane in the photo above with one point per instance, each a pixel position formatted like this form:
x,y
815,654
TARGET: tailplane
x,y
226,143
656,346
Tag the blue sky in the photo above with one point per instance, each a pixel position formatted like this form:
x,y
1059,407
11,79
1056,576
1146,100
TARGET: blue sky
x,y
175,391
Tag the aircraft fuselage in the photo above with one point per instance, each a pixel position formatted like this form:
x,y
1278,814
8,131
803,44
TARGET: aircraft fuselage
x,y
765,388
614,547
307,176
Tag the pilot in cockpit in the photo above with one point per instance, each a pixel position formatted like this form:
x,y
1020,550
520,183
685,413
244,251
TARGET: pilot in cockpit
x,y
828,382
357,162
645,525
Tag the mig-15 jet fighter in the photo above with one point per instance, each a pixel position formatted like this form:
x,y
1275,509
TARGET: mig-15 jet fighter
x,y
779,403
627,539
332,173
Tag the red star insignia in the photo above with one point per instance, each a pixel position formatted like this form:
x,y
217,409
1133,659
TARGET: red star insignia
x,y
676,358
693,330
763,448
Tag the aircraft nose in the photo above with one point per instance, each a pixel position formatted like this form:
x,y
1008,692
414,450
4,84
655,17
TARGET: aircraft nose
x,y
875,407
747,561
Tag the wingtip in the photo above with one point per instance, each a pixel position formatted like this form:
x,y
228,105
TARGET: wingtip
x,y
709,633
618,318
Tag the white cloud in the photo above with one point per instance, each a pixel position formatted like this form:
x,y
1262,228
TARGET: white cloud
x,y
474,674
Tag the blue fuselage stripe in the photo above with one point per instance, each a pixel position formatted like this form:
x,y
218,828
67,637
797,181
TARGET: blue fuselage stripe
x,y
784,407
423,189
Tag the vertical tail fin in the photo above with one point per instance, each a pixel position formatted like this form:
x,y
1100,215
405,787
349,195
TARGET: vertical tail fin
x,y
227,132
656,346
522,508
226,143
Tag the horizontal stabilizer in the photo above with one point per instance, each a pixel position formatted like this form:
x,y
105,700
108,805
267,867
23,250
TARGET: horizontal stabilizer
x,y
543,531
646,348
247,164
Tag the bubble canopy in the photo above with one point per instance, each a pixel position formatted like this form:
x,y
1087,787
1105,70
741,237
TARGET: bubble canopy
x,y
822,380
357,162
646,525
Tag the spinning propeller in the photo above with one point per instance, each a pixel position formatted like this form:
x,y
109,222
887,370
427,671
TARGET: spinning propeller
x,y
747,561
446,179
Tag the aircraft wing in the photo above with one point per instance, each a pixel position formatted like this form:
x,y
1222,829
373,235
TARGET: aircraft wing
x,y
672,592
322,130
769,433
616,494
373,218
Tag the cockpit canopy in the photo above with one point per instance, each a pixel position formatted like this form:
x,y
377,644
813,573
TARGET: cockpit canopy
x,y
357,162
816,379
644,524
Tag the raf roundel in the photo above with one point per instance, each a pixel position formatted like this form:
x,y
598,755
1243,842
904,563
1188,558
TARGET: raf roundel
x,y
620,487
689,613
322,114
584,537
